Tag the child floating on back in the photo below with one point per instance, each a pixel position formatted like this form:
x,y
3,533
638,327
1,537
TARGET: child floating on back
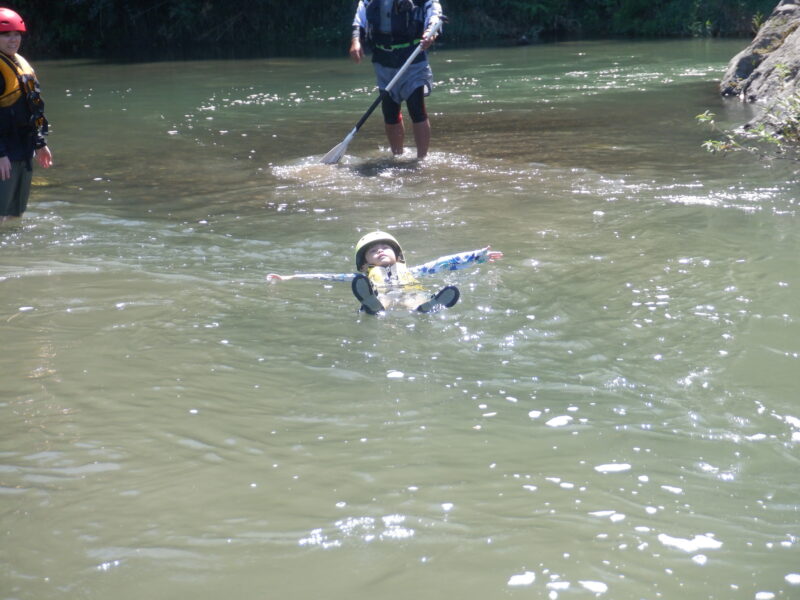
x,y
382,279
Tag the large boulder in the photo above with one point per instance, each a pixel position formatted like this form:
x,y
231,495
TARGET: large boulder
x,y
767,71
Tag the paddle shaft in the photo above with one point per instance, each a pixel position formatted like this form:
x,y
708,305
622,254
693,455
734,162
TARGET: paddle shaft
x,y
388,88
370,110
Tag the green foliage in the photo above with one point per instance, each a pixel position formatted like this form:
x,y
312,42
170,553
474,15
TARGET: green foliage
x,y
777,135
198,28
757,21
176,28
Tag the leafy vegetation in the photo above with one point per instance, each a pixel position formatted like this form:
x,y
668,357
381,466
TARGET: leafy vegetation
x,y
219,28
775,136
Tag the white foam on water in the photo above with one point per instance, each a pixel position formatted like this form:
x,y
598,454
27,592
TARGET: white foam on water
x,y
598,587
698,542
613,468
526,578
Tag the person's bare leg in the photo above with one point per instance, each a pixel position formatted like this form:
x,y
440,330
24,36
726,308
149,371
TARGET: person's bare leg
x,y
422,137
396,134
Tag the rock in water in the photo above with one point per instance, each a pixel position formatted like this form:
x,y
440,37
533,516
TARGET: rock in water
x,y
768,70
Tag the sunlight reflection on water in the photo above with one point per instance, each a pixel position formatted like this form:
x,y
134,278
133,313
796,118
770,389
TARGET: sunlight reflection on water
x,y
608,411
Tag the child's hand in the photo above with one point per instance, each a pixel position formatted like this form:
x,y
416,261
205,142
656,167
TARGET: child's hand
x,y
275,277
493,255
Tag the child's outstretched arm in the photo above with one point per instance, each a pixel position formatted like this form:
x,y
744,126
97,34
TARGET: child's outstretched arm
x,y
274,277
454,262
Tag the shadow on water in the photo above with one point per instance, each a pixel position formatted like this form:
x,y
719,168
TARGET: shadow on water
x,y
620,132
385,165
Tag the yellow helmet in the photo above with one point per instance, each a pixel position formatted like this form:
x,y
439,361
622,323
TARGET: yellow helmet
x,y
371,238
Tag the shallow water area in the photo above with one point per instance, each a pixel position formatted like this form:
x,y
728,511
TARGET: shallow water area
x,y
609,411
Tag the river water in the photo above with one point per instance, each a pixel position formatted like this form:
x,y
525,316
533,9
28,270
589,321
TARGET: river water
x,y
610,410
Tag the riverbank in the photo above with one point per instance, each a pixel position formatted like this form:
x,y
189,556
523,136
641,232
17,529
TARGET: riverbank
x,y
188,29
767,72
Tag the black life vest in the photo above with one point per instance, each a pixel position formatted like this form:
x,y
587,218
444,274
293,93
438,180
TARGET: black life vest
x,y
393,22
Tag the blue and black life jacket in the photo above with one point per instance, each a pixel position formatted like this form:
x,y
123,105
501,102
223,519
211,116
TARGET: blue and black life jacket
x,y
395,24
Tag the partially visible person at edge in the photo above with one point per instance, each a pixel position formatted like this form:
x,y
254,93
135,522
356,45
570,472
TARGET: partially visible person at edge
x,y
393,29
22,122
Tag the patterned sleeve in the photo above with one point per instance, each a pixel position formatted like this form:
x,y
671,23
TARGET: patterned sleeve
x,y
325,276
433,13
360,19
453,262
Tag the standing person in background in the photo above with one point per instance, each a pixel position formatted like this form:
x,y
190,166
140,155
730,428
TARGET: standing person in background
x,y
22,121
392,29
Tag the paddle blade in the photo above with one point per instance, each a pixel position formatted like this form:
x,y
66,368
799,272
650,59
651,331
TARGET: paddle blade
x,y
337,152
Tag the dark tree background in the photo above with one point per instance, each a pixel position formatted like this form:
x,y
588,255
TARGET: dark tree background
x,y
152,29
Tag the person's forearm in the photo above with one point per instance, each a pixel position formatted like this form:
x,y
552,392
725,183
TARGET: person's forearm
x,y
315,276
452,262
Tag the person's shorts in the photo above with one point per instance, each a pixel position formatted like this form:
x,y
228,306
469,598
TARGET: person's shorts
x,y
14,191
418,75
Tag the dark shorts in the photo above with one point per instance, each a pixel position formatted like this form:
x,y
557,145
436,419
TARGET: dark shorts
x,y
415,104
14,192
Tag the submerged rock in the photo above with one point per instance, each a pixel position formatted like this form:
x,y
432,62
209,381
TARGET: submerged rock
x,y
767,71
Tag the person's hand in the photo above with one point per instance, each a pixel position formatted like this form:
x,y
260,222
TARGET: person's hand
x,y
5,168
493,255
44,157
356,51
427,39
276,277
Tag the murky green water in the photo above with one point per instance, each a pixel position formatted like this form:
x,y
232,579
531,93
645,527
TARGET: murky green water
x,y
611,410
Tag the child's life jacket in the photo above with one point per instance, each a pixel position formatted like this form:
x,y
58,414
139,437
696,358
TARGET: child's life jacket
x,y
396,276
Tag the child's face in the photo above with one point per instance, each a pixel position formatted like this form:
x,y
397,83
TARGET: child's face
x,y
9,42
380,255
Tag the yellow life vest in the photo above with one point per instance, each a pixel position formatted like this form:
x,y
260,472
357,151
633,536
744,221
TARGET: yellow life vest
x,y
396,276
16,74
20,82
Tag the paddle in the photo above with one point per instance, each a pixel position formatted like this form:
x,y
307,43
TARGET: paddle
x,y
337,152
